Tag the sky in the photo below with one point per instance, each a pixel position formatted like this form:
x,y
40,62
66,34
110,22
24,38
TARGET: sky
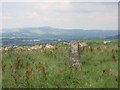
x,y
82,15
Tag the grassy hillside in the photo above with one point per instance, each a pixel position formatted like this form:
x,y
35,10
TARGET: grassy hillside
x,y
50,68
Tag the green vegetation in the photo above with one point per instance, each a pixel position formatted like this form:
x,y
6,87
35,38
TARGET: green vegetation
x,y
50,68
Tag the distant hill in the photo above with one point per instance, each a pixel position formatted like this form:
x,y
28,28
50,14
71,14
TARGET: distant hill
x,y
49,34
113,37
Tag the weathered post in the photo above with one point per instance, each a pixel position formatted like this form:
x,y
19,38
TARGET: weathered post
x,y
74,54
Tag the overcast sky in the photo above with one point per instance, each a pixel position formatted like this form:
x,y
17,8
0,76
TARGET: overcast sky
x,y
93,15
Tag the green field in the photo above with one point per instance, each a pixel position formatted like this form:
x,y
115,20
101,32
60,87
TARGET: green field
x,y
51,69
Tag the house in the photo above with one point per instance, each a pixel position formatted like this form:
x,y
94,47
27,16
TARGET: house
x,y
106,42
66,43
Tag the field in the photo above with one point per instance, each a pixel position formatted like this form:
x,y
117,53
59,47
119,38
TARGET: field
x,y
51,69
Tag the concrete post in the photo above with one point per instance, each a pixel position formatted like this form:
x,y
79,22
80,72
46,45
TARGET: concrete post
x,y
74,54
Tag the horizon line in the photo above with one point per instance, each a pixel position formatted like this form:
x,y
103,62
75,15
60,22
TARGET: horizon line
x,y
56,28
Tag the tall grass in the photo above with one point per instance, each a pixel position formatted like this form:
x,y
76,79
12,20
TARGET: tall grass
x,y
50,68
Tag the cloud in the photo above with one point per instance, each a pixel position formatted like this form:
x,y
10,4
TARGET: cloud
x,y
60,1
7,17
30,15
61,14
